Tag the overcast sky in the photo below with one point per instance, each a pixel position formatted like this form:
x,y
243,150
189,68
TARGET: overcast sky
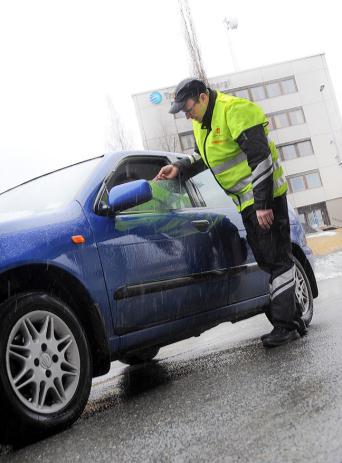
x,y
61,60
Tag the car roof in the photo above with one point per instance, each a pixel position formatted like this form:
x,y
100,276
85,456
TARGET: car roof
x,y
108,157
49,173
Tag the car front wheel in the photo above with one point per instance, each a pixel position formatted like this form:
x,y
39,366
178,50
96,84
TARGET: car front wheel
x,y
45,367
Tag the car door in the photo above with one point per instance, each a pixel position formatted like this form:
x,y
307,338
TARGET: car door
x,y
161,259
247,280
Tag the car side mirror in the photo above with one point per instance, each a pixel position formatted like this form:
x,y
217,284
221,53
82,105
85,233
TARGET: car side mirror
x,y
126,195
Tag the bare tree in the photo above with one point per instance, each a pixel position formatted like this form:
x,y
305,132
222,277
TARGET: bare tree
x,y
169,141
196,63
118,138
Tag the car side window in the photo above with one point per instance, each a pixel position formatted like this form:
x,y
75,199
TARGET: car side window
x,y
166,194
210,192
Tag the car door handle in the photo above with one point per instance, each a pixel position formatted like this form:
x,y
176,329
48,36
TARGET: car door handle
x,y
201,225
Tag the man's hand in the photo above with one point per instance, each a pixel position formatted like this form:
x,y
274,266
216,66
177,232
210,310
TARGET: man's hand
x,y
167,173
265,218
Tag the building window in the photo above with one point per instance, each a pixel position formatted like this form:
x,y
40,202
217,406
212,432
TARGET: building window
x,y
304,181
266,89
297,183
305,148
286,118
288,86
243,93
288,152
313,180
281,120
296,117
296,150
273,89
258,93
187,140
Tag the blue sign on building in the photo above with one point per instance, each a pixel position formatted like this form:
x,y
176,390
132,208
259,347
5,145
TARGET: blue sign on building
x,y
155,98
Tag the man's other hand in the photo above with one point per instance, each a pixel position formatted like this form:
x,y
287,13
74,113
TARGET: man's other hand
x,y
265,218
167,173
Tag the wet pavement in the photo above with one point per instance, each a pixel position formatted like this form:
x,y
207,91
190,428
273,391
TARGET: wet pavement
x,y
219,397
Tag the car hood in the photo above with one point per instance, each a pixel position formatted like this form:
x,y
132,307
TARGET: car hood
x,y
39,236
18,221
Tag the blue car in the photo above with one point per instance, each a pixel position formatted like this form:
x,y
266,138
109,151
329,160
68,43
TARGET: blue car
x,y
99,262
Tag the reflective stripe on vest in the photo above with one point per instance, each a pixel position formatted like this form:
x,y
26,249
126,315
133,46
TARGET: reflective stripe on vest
x,y
244,197
262,171
241,185
240,157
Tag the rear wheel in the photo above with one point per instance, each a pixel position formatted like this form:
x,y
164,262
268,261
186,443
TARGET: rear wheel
x,y
304,298
141,356
45,367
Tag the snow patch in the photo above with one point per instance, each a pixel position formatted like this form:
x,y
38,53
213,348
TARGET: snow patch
x,y
329,266
321,234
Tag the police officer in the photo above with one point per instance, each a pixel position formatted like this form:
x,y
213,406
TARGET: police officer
x,y
231,141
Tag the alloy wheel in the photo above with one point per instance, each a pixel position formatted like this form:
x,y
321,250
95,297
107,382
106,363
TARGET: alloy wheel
x,y
301,292
43,362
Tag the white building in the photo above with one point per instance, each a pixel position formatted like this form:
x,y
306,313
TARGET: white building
x,y
305,123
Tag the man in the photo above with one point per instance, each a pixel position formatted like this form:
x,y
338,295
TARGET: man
x,y
231,141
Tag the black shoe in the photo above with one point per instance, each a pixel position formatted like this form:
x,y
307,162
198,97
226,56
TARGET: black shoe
x,y
279,336
265,335
302,329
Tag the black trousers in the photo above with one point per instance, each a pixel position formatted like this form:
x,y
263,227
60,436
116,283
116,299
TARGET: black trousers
x,y
272,250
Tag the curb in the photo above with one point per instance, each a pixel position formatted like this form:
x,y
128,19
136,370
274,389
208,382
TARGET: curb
x,y
325,242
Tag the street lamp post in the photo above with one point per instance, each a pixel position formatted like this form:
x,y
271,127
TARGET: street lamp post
x,y
231,24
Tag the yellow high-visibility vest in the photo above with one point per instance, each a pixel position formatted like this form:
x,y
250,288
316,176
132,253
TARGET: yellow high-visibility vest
x,y
221,152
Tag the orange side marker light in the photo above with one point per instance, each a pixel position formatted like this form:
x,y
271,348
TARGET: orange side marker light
x,y
78,239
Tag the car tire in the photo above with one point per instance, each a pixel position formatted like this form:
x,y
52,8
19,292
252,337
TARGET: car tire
x,y
141,356
303,293
45,367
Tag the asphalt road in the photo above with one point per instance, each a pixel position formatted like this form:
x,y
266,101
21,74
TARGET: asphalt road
x,y
219,397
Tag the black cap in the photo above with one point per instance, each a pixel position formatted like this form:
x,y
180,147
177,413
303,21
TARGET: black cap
x,y
187,88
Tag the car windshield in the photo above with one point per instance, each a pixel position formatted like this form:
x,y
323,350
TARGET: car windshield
x,y
46,192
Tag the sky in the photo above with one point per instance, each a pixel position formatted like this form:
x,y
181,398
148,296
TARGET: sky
x,y
61,61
